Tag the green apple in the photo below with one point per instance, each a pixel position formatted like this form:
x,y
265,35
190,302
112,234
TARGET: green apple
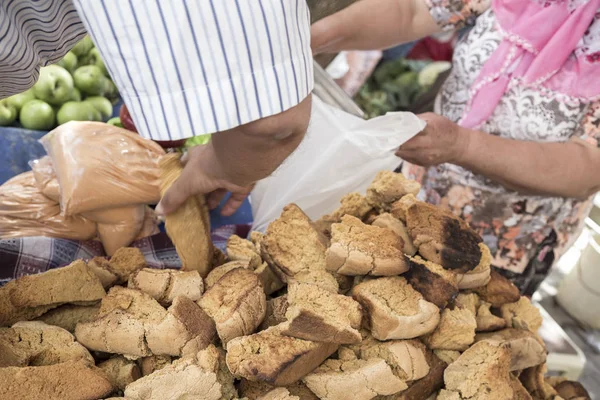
x,y
90,80
37,115
18,100
116,121
102,104
111,92
76,96
76,111
54,86
83,46
8,113
69,61
94,58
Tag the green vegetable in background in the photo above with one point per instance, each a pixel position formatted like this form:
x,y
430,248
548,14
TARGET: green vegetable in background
x,y
197,140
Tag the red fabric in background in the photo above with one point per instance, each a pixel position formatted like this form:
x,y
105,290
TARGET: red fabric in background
x,y
431,49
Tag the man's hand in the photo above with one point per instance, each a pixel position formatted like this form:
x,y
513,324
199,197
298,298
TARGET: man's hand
x,y
203,175
442,141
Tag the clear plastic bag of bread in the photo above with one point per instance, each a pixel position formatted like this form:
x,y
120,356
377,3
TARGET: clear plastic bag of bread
x,y
101,166
45,178
25,211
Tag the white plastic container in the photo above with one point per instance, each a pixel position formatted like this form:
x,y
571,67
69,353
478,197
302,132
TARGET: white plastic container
x,y
579,292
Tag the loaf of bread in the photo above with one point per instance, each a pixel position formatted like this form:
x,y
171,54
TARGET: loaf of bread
x,y
120,371
389,187
437,285
237,303
522,315
165,284
363,379
68,316
239,249
321,316
71,380
388,221
292,244
276,359
360,249
395,310
498,291
480,373
443,238
30,296
189,226
526,349
456,331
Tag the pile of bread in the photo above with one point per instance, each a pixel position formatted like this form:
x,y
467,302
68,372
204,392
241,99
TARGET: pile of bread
x,y
385,298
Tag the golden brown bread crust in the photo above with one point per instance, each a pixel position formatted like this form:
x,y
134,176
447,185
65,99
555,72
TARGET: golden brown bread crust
x,y
522,315
189,226
456,331
526,349
239,249
392,223
437,285
425,387
275,314
164,285
389,187
125,262
351,204
498,291
443,238
486,321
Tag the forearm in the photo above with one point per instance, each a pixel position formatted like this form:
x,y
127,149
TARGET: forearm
x,y
253,151
373,24
554,169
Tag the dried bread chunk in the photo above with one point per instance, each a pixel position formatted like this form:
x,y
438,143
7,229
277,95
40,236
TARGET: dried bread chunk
x,y
388,221
399,208
478,276
153,363
447,356
318,277
125,262
353,204
480,373
395,310
70,380
188,226
278,394
570,390
360,249
276,359
467,301
519,391
526,349
217,273
68,316
101,268
533,380
389,187
443,238
423,388
437,285
163,285
218,258
315,314
185,329
275,314
120,371
269,279
254,390
292,244
456,331
522,315
239,249
38,344
237,303
498,291
30,296
364,379
213,359
486,321
256,238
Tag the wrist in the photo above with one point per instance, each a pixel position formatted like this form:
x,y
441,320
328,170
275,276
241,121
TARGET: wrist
x,y
466,143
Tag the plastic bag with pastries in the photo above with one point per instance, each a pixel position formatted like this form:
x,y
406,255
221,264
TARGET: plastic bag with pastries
x,y
25,211
101,166
117,227
45,178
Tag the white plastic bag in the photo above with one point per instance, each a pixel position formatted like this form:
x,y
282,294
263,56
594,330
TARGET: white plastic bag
x,y
340,154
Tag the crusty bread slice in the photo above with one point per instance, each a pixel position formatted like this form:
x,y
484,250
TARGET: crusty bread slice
x,y
353,204
125,262
395,310
480,275
522,315
486,321
437,285
101,268
317,277
316,314
467,301
269,279
276,359
30,296
237,303
388,221
165,284
360,249
153,363
423,388
363,379
456,331
239,249
71,380
526,349
120,371
254,390
275,314
217,273
68,316
389,187
498,291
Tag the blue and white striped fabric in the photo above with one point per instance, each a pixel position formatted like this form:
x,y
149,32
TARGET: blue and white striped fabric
x,y
183,67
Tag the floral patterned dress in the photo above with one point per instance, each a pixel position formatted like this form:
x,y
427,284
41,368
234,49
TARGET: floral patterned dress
x,y
526,234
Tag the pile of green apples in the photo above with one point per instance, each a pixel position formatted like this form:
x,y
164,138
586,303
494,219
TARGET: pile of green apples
x,y
77,88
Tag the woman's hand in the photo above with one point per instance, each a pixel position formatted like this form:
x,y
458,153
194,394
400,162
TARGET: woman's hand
x,y
442,141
